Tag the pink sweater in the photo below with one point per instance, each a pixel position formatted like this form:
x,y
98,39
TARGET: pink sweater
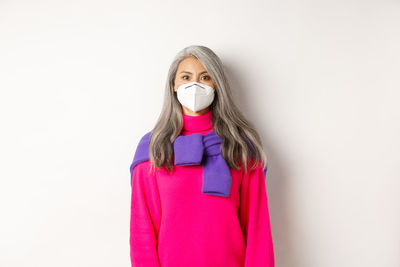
x,y
174,224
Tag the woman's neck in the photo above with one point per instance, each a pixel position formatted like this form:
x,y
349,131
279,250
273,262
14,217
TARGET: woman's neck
x,y
197,124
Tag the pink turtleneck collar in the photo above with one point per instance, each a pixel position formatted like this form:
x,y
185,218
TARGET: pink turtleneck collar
x,y
197,124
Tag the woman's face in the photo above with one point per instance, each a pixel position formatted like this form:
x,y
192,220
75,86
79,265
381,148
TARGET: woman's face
x,y
191,70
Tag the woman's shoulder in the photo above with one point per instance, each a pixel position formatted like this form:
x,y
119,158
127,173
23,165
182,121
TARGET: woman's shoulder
x,y
141,158
252,165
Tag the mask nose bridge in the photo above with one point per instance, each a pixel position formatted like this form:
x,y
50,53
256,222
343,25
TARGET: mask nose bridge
x,y
196,84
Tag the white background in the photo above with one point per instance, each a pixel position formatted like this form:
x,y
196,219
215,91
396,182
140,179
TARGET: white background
x,y
82,81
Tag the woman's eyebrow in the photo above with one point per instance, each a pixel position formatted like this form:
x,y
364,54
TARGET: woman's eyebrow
x,y
184,71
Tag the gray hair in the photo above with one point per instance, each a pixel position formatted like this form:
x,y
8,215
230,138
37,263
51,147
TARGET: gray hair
x,y
240,140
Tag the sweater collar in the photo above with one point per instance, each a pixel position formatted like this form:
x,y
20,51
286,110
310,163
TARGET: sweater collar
x,y
197,123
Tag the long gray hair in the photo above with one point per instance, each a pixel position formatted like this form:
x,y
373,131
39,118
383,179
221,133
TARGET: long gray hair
x,y
240,140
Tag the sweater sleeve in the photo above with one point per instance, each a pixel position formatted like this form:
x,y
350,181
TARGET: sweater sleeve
x,y
145,217
254,218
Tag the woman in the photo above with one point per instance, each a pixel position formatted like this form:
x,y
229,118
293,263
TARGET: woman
x,y
198,177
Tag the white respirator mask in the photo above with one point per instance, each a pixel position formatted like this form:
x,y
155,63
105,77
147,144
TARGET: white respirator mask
x,y
195,96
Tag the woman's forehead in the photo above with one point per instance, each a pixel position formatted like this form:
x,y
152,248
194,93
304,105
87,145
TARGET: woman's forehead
x,y
189,64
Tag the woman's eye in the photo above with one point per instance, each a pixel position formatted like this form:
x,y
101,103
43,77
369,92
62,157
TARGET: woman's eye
x,y
208,77
184,77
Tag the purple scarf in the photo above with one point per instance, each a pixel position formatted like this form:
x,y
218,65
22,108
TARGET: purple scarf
x,y
190,150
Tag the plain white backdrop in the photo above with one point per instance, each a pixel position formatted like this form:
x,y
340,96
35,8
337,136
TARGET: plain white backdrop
x,y
82,81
